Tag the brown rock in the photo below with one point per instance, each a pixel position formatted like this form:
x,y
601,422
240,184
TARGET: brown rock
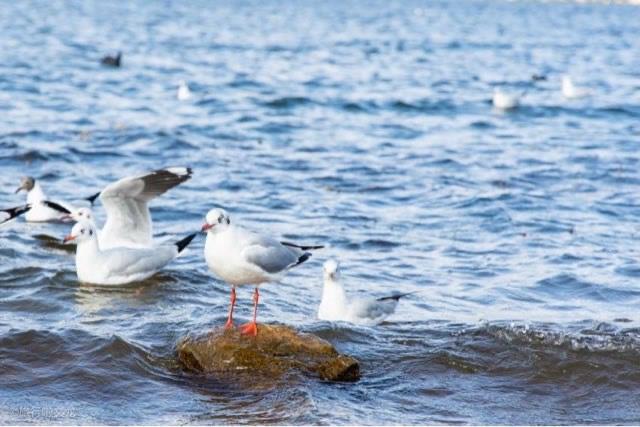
x,y
277,350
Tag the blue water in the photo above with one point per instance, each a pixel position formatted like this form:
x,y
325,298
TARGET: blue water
x,y
366,126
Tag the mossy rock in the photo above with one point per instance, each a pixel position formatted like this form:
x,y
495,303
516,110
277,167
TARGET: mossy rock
x,y
275,351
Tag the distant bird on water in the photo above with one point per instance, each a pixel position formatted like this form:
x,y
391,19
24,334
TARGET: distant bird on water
x,y
505,101
570,90
184,93
334,305
112,61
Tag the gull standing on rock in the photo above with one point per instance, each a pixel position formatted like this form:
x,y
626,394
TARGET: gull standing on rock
x,y
117,266
334,305
41,210
241,257
126,201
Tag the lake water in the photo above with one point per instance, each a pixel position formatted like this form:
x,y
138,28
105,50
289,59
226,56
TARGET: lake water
x,y
366,126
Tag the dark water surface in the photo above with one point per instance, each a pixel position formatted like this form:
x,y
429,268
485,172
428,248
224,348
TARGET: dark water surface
x,y
364,125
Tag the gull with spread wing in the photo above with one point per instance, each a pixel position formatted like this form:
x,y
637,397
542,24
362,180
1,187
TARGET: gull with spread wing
x,y
126,202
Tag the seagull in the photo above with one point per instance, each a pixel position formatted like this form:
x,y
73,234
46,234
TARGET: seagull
x,y
570,90
505,101
117,266
112,61
7,215
334,305
41,210
126,202
241,257
184,93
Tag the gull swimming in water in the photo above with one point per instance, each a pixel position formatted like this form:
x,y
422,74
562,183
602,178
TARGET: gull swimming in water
x,y
112,61
505,101
7,215
241,257
42,209
184,93
126,201
117,266
570,90
334,305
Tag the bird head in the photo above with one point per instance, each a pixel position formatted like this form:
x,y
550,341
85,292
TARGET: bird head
x,y
81,232
26,184
216,220
331,270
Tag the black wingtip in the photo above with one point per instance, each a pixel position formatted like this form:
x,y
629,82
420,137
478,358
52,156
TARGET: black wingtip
x,y
304,248
395,297
185,242
305,256
15,212
57,207
92,199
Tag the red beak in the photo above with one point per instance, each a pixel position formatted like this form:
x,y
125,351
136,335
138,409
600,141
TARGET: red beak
x,y
68,238
206,227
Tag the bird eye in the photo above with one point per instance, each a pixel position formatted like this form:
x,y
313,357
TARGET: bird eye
x,y
228,221
220,219
90,232
82,231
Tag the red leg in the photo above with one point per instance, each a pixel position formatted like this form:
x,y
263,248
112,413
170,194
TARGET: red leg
x,y
251,328
229,323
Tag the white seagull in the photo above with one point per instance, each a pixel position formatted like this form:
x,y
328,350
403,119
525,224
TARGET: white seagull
x,y
7,215
334,305
505,101
241,257
41,209
184,93
118,266
126,201
570,90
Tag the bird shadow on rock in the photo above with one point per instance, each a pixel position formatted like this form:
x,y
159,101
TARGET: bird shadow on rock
x,y
276,352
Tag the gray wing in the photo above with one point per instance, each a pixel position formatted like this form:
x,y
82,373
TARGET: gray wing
x,y
126,261
374,309
271,256
126,203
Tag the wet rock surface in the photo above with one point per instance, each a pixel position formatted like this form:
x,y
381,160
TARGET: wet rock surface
x,y
276,350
